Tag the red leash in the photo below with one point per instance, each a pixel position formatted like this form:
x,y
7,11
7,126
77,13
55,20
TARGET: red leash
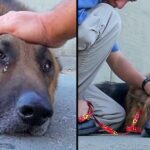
x,y
89,114
130,129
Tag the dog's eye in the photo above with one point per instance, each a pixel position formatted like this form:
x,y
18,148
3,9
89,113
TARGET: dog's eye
x,y
47,66
2,55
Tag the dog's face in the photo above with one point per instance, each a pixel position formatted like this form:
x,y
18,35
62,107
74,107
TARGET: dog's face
x,y
137,100
28,79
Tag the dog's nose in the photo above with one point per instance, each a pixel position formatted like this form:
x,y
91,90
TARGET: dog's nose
x,y
33,109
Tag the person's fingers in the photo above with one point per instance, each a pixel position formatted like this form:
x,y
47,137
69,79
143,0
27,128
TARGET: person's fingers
x,y
7,22
23,25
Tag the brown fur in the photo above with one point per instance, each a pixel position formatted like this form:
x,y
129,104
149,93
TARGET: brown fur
x,y
137,100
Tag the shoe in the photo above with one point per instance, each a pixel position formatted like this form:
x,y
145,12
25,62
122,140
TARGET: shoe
x,y
87,127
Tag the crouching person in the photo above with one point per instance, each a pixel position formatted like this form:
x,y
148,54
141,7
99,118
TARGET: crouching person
x,y
99,26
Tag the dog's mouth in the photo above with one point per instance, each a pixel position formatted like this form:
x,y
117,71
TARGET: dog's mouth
x,y
27,130
11,124
39,130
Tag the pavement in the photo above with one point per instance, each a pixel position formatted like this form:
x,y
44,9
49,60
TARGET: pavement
x,y
62,132
108,142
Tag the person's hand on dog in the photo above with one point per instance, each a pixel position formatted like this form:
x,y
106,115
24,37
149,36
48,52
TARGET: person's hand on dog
x,y
25,25
51,28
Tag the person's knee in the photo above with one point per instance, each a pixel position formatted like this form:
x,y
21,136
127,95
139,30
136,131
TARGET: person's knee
x,y
119,119
111,18
123,114
102,21
116,18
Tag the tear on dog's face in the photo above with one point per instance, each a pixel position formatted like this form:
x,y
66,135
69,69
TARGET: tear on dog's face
x,y
28,80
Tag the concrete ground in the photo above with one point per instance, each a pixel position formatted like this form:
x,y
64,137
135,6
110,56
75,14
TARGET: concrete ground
x,y
108,142
62,132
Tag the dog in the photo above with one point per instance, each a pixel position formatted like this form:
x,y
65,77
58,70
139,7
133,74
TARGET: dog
x,y
28,81
132,99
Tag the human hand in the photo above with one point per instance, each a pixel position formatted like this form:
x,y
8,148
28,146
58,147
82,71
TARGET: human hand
x,y
28,26
23,24
51,28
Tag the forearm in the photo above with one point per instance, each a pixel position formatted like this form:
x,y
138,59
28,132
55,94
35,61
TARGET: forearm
x,y
60,23
129,74
52,28
126,71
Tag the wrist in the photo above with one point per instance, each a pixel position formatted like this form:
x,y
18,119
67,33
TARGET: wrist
x,y
51,30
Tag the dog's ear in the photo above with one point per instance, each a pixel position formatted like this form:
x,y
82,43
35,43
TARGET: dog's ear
x,y
57,69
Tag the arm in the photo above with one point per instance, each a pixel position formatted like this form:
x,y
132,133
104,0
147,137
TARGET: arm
x,y
61,24
125,70
51,28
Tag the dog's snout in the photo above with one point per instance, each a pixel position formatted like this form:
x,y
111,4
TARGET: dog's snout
x,y
33,109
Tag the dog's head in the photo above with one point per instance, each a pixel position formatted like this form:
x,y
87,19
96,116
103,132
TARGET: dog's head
x,y
28,79
138,100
